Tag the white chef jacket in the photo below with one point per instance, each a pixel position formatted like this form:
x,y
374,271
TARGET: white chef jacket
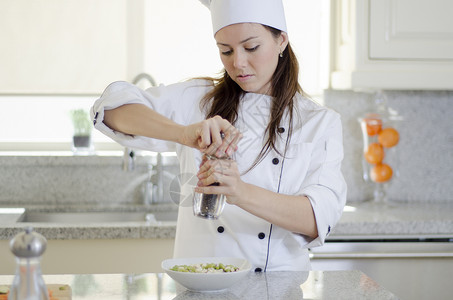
x,y
311,168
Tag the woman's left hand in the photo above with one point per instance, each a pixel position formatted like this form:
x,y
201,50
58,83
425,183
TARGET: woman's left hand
x,y
222,171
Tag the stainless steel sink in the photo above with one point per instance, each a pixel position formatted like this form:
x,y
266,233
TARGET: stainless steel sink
x,y
97,217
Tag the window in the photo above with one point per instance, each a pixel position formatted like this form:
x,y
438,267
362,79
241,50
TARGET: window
x,y
178,44
185,35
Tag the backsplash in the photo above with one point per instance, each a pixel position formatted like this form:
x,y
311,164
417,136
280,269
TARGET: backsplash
x,y
425,150
73,180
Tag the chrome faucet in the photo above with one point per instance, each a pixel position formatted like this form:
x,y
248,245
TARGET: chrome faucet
x,y
154,191
144,76
154,185
128,160
160,179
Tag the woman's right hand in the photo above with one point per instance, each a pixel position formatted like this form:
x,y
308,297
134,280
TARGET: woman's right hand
x,y
207,137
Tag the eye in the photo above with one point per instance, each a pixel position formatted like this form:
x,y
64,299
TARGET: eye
x,y
252,49
226,53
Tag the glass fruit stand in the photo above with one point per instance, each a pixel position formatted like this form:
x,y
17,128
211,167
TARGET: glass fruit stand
x,y
380,140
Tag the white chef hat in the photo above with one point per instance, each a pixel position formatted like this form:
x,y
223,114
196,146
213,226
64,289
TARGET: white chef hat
x,y
227,12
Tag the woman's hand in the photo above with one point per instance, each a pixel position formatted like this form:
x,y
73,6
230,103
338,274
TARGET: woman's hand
x,y
226,173
207,137
292,212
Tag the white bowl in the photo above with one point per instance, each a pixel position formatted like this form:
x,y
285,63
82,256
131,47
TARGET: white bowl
x,y
207,282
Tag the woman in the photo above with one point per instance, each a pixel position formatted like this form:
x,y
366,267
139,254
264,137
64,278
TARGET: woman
x,y
284,187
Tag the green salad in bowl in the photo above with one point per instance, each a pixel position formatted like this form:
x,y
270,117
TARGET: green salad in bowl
x,y
203,274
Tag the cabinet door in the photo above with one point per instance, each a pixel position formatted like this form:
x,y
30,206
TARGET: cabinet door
x,y
392,44
411,29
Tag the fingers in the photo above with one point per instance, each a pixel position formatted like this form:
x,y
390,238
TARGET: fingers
x,y
216,136
230,141
204,135
212,171
225,174
211,189
219,137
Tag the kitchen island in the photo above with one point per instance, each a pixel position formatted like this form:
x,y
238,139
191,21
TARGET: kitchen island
x,y
420,236
270,285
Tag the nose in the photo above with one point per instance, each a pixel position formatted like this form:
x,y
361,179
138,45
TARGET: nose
x,y
239,59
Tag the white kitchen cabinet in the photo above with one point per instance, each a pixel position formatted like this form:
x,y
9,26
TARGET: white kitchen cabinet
x,y
392,44
93,256
68,46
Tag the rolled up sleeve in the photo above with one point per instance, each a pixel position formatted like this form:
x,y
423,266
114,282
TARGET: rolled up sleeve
x,y
178,102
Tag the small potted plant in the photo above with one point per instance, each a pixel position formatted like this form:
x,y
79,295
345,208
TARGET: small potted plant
x,y
82,129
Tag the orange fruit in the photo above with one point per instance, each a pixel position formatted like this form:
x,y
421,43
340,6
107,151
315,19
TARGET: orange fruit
x,y
373,126
388,137
374,154
381,173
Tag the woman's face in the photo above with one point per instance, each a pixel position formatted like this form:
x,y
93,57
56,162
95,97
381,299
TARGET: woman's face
x,y
250,53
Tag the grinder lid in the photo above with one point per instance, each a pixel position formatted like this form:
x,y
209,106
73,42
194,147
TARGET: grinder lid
x,y
28,244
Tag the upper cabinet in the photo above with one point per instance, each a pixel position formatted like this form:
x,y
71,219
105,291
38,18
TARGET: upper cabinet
x,y
68,46
392,44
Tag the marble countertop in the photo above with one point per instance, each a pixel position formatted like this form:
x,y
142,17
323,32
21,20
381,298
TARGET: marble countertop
x,y
81,231
270,285
359,220
389,219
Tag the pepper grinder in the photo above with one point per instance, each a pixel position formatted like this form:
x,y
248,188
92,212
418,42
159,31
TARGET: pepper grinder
x,y
28,283
209,206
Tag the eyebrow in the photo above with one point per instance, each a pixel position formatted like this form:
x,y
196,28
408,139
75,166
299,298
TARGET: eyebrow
x,y
241,42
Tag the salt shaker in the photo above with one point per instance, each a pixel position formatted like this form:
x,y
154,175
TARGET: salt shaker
x,y
28,283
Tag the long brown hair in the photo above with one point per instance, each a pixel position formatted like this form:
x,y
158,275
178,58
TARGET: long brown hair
x,y
224,98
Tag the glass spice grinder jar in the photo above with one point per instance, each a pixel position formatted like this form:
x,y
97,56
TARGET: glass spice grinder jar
x,y
209,206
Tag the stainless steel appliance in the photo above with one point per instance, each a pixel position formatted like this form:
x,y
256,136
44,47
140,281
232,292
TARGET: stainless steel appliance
x,y
411,267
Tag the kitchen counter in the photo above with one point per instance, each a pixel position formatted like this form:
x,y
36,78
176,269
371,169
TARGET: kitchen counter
x,y
395,220
86,231
101,246
358,220
271,285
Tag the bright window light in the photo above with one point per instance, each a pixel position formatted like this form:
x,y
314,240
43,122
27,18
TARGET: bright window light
x,y
178,45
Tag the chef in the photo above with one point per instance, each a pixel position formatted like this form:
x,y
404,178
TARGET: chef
x,y
283,184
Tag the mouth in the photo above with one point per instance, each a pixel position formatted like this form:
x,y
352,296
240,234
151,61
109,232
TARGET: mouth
x,y
244,77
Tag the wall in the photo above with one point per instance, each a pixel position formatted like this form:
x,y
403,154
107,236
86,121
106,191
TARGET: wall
x,y
425,150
